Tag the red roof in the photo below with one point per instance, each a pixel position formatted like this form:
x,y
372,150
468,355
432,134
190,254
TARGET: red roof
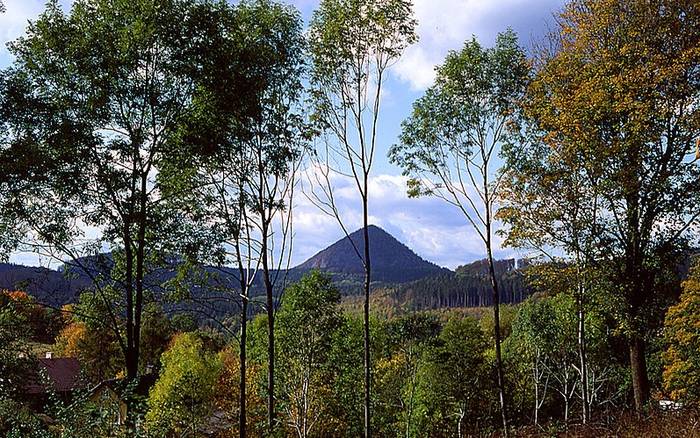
x,y
63,372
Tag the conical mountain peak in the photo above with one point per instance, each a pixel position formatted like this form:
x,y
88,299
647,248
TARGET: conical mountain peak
x,y
391,260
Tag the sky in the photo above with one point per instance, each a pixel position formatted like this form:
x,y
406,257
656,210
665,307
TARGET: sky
x,y
433,229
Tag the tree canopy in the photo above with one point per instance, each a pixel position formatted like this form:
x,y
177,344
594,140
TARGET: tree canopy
x,y
615,101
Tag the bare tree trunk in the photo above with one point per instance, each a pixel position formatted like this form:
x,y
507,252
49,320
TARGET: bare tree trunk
x,y
496,325
537,390
140,269
305,397
131,365
265,221
566,397
632,270
134,297
638,365
460,418
270,338
367,363
129,356
583,362
242,423
409,414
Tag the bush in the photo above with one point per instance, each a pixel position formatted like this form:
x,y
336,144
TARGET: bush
x,y
182,399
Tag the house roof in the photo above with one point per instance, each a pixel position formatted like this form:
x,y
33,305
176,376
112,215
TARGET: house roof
x,y
63,373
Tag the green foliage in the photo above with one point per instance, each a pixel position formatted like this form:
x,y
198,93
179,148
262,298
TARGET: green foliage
x,y
80,417
452,139
349,36
607,110
352,43
17,421
242,191
547,325
396,371
175,127
247,175
156,333
413,328
183,322
181,400
14,340
306,325
473,101
88,112
89,336
308,317
508,313
606,173
544,362
96,112
454,381
345,361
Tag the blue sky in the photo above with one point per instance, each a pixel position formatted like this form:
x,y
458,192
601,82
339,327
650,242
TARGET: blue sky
x,y
434,230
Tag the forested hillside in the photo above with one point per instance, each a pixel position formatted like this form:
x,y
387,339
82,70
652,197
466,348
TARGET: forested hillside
x,y
168,157
467,287
393,262
48,286
415,283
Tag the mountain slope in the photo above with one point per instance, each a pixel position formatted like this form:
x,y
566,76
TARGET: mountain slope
x,y
414,282
468,286
392,261
46,285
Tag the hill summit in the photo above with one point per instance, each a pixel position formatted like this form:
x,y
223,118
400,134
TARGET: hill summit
x,y
392,261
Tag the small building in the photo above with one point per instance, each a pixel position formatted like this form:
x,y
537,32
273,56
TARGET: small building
x,y
110,395
59,376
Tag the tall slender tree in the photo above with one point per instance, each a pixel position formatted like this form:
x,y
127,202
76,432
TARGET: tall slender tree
x,y
552,207
353,44
246,186
308,320
275,144
93,108
450,144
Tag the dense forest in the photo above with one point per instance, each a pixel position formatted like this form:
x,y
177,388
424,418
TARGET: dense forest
x,y
157,150
468,286
414,282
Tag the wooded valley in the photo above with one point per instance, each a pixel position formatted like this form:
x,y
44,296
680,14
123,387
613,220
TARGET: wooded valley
x,y
153,154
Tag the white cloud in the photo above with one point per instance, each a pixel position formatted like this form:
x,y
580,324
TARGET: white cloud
x,y
445,25
433,229
14,21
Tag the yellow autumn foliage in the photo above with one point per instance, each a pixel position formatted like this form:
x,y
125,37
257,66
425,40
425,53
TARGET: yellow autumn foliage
x,y
682,328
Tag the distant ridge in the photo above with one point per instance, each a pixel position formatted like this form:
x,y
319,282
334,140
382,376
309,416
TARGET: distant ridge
x,y
468,286
415,283
46,285
392,261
